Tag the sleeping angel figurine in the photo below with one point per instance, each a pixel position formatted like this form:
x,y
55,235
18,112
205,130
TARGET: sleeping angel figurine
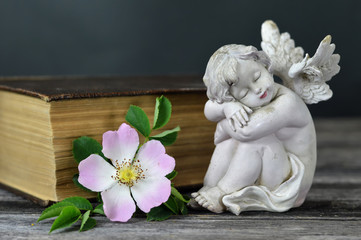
x,y
265,154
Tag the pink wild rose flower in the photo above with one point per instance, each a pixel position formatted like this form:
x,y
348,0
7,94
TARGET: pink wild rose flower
x,y
142,176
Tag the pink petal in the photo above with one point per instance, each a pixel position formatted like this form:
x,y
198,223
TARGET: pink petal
x,y
121,144
153,159
95,173
118,204
151,192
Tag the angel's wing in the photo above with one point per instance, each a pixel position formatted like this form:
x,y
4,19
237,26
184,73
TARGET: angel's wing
x,y
306,76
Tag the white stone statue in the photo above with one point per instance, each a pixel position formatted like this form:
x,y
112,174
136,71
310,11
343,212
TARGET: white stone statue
x,y
265,154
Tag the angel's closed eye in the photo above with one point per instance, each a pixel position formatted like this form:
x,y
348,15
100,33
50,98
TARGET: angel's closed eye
x,y
257,76
243,93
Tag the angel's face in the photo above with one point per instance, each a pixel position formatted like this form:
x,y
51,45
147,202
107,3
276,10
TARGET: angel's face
x,y
255,84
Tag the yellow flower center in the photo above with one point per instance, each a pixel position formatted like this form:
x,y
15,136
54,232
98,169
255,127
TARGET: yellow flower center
x,y
128,173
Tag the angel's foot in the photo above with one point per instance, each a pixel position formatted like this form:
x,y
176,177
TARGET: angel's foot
x,y
203,189
211,199
193,203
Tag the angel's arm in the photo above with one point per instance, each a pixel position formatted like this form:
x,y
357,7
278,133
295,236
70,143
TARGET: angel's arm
x,y
235,112
214,111
287,110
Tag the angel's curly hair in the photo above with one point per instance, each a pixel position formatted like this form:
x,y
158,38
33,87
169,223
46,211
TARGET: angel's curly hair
x,y
221,69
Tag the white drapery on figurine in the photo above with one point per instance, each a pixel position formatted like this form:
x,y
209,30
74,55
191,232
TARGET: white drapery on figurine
x,y
256,198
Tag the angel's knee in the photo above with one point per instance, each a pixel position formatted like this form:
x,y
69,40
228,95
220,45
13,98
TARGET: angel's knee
x,y
243,171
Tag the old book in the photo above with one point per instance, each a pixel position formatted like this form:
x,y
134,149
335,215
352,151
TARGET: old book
x,y
40,117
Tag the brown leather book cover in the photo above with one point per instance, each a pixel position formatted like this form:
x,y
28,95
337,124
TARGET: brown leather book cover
x,y
61,88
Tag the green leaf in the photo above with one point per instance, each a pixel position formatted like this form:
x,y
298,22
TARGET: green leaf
x,y
54,210
84,146
172,205
162,112
177,195
77,183
172,175
68,216
160,213
138,119
167,137
79,202
89,224
99,209
182,207
84,219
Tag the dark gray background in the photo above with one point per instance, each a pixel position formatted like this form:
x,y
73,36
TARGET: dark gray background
x,y
171,37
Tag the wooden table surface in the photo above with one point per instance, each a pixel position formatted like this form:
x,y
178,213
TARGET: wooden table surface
x,y
332,209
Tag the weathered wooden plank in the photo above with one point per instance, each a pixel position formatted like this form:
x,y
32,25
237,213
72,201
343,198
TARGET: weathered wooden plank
x,y
196,226
338,124
338,132
339,158
331,211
